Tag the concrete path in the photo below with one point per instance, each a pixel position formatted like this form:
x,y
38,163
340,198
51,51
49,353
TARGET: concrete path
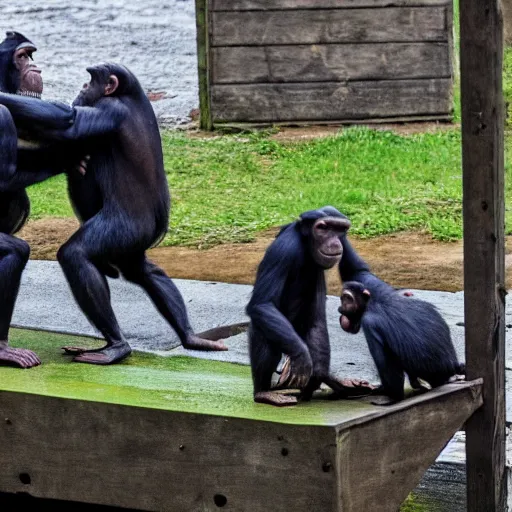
x,y
45,302
156,40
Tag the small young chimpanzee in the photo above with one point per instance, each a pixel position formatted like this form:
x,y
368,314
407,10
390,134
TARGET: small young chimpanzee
x,y
403,334
122,201
287,309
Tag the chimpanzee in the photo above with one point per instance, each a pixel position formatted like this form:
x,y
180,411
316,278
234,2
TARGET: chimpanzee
x,y
122,201
19,168
287,309
403,334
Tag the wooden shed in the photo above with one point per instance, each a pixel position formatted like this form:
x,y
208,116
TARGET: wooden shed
x,y
322,61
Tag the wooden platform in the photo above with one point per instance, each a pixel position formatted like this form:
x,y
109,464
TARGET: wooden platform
x,y
182,434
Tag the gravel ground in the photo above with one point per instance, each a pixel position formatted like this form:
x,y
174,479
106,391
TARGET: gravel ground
x,y
156,40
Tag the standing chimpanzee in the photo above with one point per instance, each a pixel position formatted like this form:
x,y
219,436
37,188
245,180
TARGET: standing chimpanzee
x,y
287,309
403,334
19,168
123,201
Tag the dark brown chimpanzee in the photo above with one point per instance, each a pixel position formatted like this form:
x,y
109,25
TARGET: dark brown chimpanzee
x,y
287,310
403,334
19,168
122,201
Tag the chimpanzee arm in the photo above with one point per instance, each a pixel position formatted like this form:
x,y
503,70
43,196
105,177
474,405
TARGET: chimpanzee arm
x,y
388,365
267,293
59,122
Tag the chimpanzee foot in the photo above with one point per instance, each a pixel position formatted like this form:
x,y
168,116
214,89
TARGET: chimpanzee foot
x,y
20,357
383,400
107,355
273,398
76,351
349,388
196,343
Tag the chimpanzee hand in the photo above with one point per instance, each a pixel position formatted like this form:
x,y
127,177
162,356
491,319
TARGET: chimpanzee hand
x,y
297,371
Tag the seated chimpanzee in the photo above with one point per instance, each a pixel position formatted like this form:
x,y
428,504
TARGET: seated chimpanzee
x,y
403,334
287,310
122,201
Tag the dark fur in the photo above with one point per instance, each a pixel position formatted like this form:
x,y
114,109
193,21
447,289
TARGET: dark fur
x,y
18,169
123,200
403,334
287,307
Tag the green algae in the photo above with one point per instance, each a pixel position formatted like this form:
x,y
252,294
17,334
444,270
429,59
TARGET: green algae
x,y
413,504
175,383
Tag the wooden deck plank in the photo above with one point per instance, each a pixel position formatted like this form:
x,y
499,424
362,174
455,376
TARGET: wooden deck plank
x,y
322,63
330,100
328,26
267,5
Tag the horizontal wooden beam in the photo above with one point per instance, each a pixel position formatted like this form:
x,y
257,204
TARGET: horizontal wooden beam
x,y
322,63
331,101
272,5
397,24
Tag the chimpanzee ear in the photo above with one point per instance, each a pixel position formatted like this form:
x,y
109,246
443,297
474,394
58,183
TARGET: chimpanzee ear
x,y
112,85
366,295
305,228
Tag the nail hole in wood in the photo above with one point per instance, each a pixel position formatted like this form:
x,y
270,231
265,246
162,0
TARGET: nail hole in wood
x,y
326,467
182,447
25,479
284,452
220,500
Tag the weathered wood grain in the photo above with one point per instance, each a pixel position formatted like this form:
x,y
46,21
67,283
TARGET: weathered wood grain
x,y
379,461
484,270
267,5
331,101
203,63
329,26
156,460
322,63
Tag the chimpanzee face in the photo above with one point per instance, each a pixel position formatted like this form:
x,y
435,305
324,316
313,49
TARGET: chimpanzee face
x,y
325,235
354,300
31,82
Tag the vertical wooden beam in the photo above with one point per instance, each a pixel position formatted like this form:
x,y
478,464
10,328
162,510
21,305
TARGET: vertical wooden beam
x,y
203,51
481,59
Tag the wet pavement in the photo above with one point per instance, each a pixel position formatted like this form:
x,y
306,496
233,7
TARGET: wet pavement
x,y
155,39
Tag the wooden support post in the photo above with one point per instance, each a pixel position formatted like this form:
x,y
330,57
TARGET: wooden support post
x,y
203,51
483,177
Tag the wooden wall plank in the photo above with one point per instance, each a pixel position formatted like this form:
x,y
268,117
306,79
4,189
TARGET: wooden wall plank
x,y
330,101
329,26
322,63
266,5
481,50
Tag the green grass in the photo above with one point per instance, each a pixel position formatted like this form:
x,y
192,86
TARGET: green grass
x,y
228,188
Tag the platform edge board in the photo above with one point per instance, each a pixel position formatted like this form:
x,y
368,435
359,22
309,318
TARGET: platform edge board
x,y
243,28
464,392
381,462
272,5
151,459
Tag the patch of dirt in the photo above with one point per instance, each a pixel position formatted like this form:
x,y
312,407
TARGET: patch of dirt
x,y
407,260
295,134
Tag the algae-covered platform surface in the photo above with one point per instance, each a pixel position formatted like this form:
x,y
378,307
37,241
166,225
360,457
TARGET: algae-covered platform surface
x,y
182,384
